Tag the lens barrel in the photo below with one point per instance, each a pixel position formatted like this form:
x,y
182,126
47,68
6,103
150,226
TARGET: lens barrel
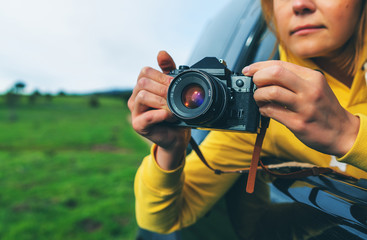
x,y
197,97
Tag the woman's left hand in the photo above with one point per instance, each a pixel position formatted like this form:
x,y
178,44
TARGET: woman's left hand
x,y
301,99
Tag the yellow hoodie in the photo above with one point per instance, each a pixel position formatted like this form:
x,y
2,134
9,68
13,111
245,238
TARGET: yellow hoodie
x,y
169,200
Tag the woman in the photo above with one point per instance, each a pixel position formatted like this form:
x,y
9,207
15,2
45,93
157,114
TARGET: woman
x,y
316,96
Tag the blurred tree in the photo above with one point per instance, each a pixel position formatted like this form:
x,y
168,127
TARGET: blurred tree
x,y
19,87
48,97
94,101
12,98
34,96
61,94
36,93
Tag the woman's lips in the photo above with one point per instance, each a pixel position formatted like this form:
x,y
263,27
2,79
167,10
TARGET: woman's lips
x,y
306,29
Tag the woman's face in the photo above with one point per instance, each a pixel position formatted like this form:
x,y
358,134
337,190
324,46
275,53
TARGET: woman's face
x,y
316,28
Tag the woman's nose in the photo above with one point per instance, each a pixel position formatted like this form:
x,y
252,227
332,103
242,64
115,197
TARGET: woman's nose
x,y
301,7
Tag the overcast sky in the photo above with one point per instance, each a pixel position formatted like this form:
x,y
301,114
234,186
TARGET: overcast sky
x,y
88,45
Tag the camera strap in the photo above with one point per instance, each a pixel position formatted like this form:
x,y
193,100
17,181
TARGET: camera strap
x,y
256,155
254,165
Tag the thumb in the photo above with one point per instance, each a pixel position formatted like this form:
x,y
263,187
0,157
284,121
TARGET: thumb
x,y
165,62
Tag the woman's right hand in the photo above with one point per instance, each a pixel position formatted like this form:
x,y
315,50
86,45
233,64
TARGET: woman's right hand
x,y
149,109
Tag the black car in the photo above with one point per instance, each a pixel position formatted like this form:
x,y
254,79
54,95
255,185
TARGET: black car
x,y
329,206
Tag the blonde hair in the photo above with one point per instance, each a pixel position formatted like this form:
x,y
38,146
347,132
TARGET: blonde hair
x,y
347,61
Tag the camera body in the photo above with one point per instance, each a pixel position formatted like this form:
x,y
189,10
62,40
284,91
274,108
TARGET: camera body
x,y
207,95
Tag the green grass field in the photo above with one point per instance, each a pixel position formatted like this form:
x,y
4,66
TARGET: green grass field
x,y
67,169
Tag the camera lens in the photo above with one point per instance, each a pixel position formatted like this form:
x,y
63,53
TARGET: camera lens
x,y
197,97
193,96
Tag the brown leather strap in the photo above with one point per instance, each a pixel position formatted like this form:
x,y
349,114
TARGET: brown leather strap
x,y
256,155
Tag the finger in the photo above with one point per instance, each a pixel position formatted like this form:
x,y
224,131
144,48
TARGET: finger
x,y
302,72
276,95
299,70
165,62
146,100
155,75
278,75
149,74
278,113
143,122
150,86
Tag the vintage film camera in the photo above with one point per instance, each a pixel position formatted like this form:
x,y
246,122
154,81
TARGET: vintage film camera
x,y
208,95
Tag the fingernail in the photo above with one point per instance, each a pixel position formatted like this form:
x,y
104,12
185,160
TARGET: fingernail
x,y
245,70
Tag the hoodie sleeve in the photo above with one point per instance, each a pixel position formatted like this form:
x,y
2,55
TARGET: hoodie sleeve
x,y
170,200
357,155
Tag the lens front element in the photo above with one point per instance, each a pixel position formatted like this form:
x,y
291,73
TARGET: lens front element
x,y
197,97
193,96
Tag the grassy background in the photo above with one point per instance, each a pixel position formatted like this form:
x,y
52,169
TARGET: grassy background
x,y
67,169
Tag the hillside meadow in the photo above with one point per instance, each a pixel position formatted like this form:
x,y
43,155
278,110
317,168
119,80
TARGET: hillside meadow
x,y
67,168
